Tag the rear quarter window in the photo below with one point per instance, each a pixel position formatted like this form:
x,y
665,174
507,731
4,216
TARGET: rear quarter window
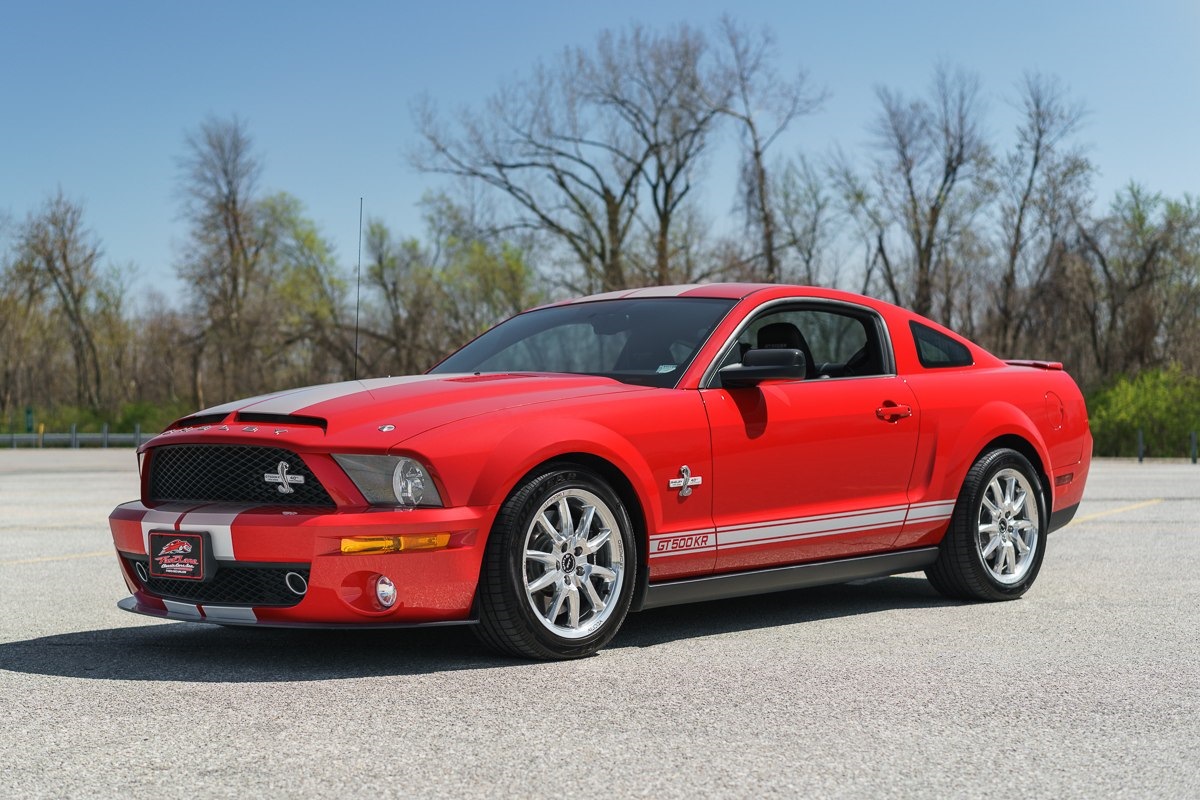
x,y
936,349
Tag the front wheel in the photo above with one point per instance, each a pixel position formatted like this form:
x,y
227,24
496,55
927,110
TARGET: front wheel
x,y
997,536
559,568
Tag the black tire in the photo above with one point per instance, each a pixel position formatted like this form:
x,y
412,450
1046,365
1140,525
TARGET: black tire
x,y
964,569
516,620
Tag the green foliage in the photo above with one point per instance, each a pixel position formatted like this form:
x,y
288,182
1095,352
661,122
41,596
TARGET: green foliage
x,y
152,417
1164,404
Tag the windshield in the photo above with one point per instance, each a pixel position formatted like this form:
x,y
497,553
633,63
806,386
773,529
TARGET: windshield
x,y
647,341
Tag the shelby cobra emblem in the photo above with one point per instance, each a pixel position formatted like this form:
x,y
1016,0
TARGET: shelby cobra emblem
x,y
280,476
685,483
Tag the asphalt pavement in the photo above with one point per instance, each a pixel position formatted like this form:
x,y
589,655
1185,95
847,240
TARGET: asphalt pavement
x,y
1089,686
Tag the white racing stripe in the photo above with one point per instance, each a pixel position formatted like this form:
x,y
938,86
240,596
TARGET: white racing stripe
x,y
789,533
776,532
663,291
162,518
229,614
230,407
183,609
923,512
932,503
218,520
814,526
292,402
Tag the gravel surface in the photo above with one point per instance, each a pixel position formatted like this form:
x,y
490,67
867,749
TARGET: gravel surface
x,y
1089,686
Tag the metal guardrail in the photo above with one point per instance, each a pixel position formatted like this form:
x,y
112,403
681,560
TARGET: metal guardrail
x,y
1193,446
74,438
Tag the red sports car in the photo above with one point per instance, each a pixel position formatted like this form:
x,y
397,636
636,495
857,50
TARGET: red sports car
x,y
619,452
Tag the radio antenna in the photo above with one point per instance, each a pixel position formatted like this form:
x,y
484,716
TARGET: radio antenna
x,y
358,287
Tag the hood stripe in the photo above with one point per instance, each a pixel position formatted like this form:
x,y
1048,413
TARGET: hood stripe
x,y
294,402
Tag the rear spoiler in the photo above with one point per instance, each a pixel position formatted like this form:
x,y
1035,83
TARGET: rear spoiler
x,y
1035,364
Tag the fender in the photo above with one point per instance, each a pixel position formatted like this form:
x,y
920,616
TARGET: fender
x,y
952,459
480,460
538,441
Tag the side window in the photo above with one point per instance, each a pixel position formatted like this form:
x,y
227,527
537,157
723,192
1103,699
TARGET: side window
x,y
835,343
939,350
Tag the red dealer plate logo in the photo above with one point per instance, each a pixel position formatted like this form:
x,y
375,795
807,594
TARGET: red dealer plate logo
x,y
179,555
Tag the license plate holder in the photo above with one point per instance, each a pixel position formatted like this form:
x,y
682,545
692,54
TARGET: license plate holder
x,y
181,555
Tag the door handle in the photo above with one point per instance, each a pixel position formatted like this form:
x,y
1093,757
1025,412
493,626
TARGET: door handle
x,y
891,412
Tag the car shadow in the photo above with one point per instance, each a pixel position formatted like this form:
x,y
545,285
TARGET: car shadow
x,y
210,654
663,625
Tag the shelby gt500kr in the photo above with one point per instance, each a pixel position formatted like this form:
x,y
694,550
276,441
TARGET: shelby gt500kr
x,y
614,453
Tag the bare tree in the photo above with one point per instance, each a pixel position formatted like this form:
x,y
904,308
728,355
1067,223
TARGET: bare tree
x,y
576,145
1042,183
400,327
224,263
1140,284
20,313
428,298
57,250
315,338
929,182
658,87
763,104
806,211
569,174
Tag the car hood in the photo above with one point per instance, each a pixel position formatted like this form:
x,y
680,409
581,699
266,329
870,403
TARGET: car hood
x,y
356,412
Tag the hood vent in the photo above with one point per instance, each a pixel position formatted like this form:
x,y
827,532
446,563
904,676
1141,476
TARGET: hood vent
x,y
284,419
199,419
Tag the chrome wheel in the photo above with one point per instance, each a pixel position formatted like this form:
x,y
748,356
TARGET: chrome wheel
x,y
1008,525
574,563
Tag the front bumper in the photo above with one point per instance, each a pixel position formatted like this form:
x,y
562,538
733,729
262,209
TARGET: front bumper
x,y
435,586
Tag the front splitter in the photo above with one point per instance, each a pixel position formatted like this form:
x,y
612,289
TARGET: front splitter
x,y
244,616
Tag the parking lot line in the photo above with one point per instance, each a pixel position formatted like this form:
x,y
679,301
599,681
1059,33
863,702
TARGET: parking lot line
x,y
44,559
1110,512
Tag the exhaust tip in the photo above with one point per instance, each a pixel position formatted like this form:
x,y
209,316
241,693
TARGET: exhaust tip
x,y
296,583
142,573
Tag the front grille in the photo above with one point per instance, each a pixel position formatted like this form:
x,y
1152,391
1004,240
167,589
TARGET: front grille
x,y
209,473
233,585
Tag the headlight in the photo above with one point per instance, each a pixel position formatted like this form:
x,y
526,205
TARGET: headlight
x,y
391,480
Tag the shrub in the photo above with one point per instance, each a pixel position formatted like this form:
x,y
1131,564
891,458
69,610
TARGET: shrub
x,y
1164,404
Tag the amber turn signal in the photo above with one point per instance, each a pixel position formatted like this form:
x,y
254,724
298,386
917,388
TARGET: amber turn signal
x,y
361,545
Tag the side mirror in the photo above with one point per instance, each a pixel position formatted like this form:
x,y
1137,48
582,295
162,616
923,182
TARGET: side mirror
x,y
763,365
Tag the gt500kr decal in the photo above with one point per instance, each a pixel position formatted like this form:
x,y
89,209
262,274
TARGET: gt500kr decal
x,y
785,530
691,542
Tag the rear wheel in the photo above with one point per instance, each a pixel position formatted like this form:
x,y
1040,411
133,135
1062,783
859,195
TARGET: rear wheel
x,y
559,568
997,537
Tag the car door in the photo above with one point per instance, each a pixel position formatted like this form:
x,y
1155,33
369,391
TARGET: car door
x,y
816,468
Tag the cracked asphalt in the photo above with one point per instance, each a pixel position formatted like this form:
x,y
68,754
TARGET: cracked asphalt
x,y
1088,686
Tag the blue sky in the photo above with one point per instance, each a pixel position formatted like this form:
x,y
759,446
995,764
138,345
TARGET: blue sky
x,y
96,98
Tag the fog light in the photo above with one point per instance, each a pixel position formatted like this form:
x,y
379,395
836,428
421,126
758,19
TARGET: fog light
x,y
385,591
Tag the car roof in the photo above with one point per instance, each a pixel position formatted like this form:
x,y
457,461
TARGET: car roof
x,y
726,291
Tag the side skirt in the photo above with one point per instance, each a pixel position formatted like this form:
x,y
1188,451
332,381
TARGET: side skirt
x,y
778,579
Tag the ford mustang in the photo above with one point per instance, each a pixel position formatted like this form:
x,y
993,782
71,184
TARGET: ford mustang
x,y
609,454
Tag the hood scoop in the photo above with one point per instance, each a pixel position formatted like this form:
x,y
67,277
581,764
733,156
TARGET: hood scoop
x,y
283,419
